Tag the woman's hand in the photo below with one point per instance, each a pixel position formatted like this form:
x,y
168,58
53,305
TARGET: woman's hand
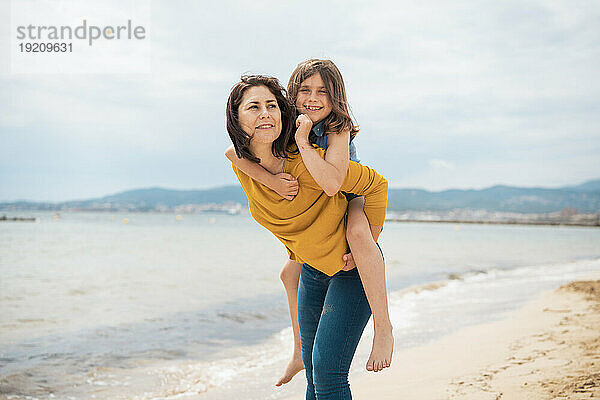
x,y
285,185
350,264
304,125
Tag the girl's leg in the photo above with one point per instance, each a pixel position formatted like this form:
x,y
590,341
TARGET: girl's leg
x,y
345,314
311,297
371,268
290,274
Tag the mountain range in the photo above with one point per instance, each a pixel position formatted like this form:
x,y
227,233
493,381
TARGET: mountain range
x,y
584,197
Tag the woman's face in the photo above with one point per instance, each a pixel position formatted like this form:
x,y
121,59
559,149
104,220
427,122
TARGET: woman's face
x,y
313,98
259,115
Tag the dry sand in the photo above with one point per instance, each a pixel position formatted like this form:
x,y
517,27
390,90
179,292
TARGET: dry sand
x,y
550,349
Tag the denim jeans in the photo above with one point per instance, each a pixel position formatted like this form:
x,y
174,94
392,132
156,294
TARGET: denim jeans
x,y
332,312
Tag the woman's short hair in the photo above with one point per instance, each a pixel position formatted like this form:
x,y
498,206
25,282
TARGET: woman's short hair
x,y
240,139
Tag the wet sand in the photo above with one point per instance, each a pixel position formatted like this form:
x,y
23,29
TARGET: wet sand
x,y
549,349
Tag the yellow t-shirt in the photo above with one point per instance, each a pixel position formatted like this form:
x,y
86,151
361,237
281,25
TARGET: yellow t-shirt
x,y
312,226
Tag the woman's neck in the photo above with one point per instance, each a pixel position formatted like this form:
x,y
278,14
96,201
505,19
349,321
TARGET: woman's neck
x,y
267,160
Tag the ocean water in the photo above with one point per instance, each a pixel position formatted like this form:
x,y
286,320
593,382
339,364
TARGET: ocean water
x,y
151,306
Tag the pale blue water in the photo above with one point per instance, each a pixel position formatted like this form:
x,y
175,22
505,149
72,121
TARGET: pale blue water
x,y
92,307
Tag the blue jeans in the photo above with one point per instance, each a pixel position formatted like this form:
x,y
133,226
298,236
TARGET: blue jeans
x,y
332,312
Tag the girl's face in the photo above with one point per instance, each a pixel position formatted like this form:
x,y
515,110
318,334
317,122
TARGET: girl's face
x,y
313,98
259,115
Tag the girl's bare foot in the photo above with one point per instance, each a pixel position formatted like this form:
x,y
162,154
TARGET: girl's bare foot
x,y
381,354
294,366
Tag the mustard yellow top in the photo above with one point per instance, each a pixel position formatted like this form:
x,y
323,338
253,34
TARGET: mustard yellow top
x,y
312,226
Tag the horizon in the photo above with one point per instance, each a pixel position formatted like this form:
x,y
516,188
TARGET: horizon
x,y
234,185
447,95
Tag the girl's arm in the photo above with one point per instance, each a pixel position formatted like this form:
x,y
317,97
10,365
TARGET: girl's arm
x,y
328,173
284,184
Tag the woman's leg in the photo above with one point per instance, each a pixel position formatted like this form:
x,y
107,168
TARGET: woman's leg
x,y
311,297
371,268
345,314
290,275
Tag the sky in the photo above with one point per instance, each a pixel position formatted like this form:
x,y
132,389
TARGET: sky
x,y
447,95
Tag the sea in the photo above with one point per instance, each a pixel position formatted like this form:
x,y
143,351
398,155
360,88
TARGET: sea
x,y
163,306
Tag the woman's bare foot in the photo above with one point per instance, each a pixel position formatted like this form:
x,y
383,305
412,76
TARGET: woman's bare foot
x,y
294,366
381,354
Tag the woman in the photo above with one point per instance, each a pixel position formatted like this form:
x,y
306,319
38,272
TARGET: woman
x,y
332,307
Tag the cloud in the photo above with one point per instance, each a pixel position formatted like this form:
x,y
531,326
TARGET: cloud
x,y
446,94
437,163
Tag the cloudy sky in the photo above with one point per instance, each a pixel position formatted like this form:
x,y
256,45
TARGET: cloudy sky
x,y
447,95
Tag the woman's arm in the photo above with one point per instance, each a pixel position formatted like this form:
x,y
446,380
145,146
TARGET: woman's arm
x,y
283,184
328,173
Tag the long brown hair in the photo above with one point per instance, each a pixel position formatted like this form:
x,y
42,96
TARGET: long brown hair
x,y
339,119
240,139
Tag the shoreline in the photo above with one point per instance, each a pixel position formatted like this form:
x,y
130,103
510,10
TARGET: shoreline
x,y
548,349
588,224
489,222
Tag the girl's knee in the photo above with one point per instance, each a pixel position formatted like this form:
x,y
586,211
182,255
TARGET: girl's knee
x,y
357,234
284,275
290,273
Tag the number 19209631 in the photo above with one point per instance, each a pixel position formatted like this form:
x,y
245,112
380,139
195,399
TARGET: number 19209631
x,y
46,47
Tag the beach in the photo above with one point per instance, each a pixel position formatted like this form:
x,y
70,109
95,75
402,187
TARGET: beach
x,y
77,321
548,349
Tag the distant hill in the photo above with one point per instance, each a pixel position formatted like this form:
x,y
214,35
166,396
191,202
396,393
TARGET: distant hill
x,y
497,198
589,186
155,197
149,199
584,198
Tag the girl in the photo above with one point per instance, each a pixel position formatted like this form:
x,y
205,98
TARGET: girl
x,y
317,90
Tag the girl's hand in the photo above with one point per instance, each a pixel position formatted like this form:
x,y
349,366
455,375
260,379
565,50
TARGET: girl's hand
x,y
350,264
285,185
304,125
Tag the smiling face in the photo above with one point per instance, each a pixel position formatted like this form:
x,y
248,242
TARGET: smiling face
x,y
313,98
259,115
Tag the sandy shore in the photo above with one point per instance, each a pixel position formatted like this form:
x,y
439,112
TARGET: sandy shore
x,y
550,349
